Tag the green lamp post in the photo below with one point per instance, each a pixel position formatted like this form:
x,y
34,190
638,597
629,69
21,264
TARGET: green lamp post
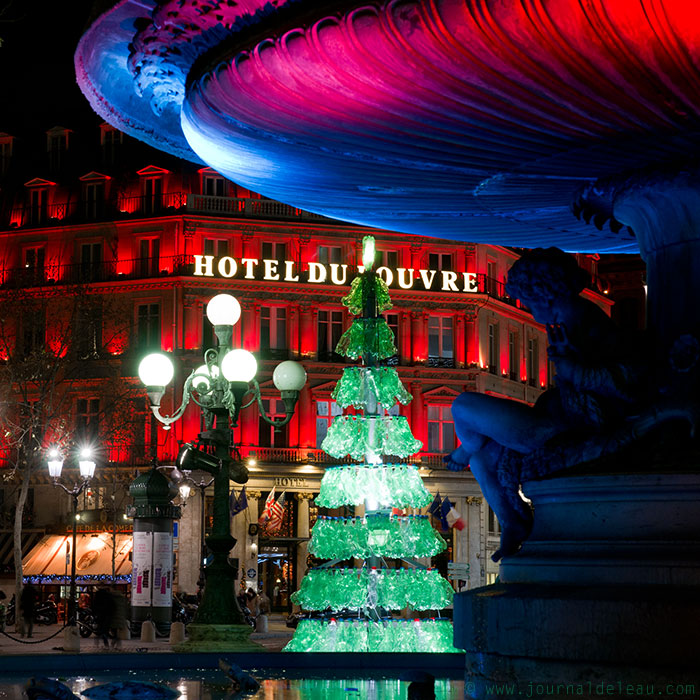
x,y
221,387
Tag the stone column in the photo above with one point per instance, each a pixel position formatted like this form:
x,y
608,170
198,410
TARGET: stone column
x,y
419,337
307,419
303,531
189,547
293,335
308,340
476,547
249,560
471,339
405,353
251,326
460,345
418,421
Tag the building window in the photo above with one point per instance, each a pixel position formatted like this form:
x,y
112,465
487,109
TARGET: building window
x,y
494,528
392,320
273,332
387,258
267,435
513,355
148,326
87,421
275,251
33,331
56,146
440,347
218,247
213,186
33,261
38,205
493,348
440,261
93,498
5,154
533,362
94,200
492,279
441,429
152,195
111,142
326,411
88,335
330,254
91,262
330,328
149,257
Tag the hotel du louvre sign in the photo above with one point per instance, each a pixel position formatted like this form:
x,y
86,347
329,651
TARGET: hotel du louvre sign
x,y
331,274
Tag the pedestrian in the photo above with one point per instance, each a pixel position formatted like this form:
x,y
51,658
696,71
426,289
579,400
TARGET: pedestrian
x,y
252,602
27,606
102,607
118,623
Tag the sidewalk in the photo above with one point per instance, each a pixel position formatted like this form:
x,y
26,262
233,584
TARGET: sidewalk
x,y
274,639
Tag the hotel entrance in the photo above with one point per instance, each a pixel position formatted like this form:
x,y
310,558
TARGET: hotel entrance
x,y
277,571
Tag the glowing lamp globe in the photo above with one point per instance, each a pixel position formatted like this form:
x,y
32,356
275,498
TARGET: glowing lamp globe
x,y
201,381
86,464
156,369
239,366
223,310
55,464
289,376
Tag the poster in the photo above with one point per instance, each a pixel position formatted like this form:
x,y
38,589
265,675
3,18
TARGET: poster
x,y
141,569
162,569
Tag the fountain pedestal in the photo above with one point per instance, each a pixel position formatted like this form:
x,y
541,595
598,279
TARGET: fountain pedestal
x,y
606,588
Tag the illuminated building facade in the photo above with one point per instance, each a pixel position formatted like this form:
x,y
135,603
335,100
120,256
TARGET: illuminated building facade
x,y
98,213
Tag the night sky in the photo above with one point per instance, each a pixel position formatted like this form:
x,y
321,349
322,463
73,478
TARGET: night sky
x,y
36,65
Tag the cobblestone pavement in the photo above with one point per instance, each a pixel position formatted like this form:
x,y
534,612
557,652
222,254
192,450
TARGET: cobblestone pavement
x,y
48,639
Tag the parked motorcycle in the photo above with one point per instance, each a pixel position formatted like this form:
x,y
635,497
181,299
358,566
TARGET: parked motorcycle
x,y
86,622
182,610
46,613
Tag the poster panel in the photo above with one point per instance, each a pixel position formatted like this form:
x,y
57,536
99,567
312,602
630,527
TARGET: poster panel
x,y
141,572
162,569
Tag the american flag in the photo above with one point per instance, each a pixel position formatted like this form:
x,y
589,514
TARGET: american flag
x,y
267,510
276,515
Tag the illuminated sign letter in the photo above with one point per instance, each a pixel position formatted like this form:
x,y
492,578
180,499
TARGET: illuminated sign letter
x,y
448,281
271,270
204,265
405,281
289,275
249,264
317,273
470,284
334,273
427,280
386,274
227,266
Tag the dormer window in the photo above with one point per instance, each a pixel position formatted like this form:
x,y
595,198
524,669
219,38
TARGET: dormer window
x,y
37,211
152,188
57,143
213,184
111,141
94,192
6,143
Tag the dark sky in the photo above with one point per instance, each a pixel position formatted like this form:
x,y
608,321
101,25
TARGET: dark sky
x,y
36,64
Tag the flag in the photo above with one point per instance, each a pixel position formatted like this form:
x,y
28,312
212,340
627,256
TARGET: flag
x,y
454,519
269,501
238,503
445,508
276,515
435,505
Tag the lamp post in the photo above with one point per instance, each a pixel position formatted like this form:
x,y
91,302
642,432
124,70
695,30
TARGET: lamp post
x,y
221,388
184,488
87,471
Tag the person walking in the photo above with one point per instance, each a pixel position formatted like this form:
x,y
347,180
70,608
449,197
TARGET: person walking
x,y
118,623
103,606
27,606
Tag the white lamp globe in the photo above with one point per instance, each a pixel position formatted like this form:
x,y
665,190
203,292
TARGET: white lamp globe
x,y
289,376
239,366
156,369
55,463
200,382
86,464
223,310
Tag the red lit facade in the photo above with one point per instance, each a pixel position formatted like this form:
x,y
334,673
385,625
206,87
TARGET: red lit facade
x,y
106,216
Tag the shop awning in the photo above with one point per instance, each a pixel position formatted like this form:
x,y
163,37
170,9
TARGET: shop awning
x,y
49,561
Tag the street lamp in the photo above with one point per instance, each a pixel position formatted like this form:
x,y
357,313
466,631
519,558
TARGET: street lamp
x,y
87,471
219,388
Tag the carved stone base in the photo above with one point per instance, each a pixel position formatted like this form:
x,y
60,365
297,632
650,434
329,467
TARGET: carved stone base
x,y
218,638
605,590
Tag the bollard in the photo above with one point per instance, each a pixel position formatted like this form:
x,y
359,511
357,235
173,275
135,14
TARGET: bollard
x,y
177,632
148,631
261,623
71,639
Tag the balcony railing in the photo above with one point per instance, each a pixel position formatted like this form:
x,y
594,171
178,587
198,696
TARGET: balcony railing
x,y
78,211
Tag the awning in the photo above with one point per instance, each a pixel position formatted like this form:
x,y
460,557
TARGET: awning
x,y
7,543
50,562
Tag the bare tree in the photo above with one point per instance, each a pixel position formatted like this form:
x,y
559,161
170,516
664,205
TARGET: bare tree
x,y
52,350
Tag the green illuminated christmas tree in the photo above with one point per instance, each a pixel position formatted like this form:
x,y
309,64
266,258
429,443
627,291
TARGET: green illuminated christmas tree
x,y
362,598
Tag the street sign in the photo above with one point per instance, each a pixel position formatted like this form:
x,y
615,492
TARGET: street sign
x,y
458,571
